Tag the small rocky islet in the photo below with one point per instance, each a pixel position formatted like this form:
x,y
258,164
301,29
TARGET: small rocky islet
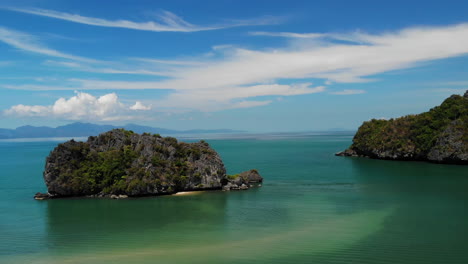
x,y
121,164
439,135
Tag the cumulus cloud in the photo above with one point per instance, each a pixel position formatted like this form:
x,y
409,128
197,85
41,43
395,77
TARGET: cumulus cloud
x,y
348,92
82,106
167,21
139,106
28,110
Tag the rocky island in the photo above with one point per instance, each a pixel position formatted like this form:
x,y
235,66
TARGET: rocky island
x,y
439,135
121,163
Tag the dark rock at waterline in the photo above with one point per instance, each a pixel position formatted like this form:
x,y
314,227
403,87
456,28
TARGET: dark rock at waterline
x,y
439,135
119,163
42,196
242,181
347,153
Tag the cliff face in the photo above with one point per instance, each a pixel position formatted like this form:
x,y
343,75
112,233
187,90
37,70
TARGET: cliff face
x,y
439,135
124,163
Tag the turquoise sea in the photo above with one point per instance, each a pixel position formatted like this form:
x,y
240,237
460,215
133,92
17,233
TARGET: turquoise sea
x,y
312,208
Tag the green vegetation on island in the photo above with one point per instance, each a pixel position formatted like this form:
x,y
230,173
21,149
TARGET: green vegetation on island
x,y
439,135
123,163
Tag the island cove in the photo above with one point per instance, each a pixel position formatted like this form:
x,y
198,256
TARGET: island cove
x,y
439,135
121,163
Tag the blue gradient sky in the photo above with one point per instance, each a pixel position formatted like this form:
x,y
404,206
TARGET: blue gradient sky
x,y
260,66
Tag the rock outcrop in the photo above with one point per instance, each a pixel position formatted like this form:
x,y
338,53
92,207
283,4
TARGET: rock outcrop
x,y
242,181
120,164
439,135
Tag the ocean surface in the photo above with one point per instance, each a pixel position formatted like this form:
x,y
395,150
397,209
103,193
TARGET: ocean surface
x,y
312,208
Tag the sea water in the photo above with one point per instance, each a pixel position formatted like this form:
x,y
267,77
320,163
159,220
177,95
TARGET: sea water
x,y
312,208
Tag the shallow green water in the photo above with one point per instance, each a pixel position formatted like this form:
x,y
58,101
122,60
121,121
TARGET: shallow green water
x,y
313,208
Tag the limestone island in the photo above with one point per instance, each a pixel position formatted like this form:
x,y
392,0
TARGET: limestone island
x,y
439,135
121,164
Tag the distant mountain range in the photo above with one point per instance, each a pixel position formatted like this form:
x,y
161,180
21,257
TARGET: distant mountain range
x,y
86,129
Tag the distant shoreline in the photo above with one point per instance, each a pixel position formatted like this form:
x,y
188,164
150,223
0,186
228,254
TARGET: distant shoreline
x,y
212,136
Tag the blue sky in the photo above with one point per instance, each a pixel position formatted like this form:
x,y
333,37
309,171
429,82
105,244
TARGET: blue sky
x,y
260,66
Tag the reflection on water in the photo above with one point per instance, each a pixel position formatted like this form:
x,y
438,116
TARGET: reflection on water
x,y
103,223
429,223
194,233
400,180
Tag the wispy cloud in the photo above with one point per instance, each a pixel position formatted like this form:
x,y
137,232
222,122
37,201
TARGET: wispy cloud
x,y
5,63
243,77
187,98
26,42
167,21
348,92
103,68
171,62
39,87
30,43
287,34
234,97
356,37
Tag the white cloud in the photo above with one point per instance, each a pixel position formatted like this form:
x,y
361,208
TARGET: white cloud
x,y
39,87
287,34
139,106
168,21
241,75
234,97
247,104
198,99
355,37
171,62
28,43
87,68
28,110
333,62
349,92
82,106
